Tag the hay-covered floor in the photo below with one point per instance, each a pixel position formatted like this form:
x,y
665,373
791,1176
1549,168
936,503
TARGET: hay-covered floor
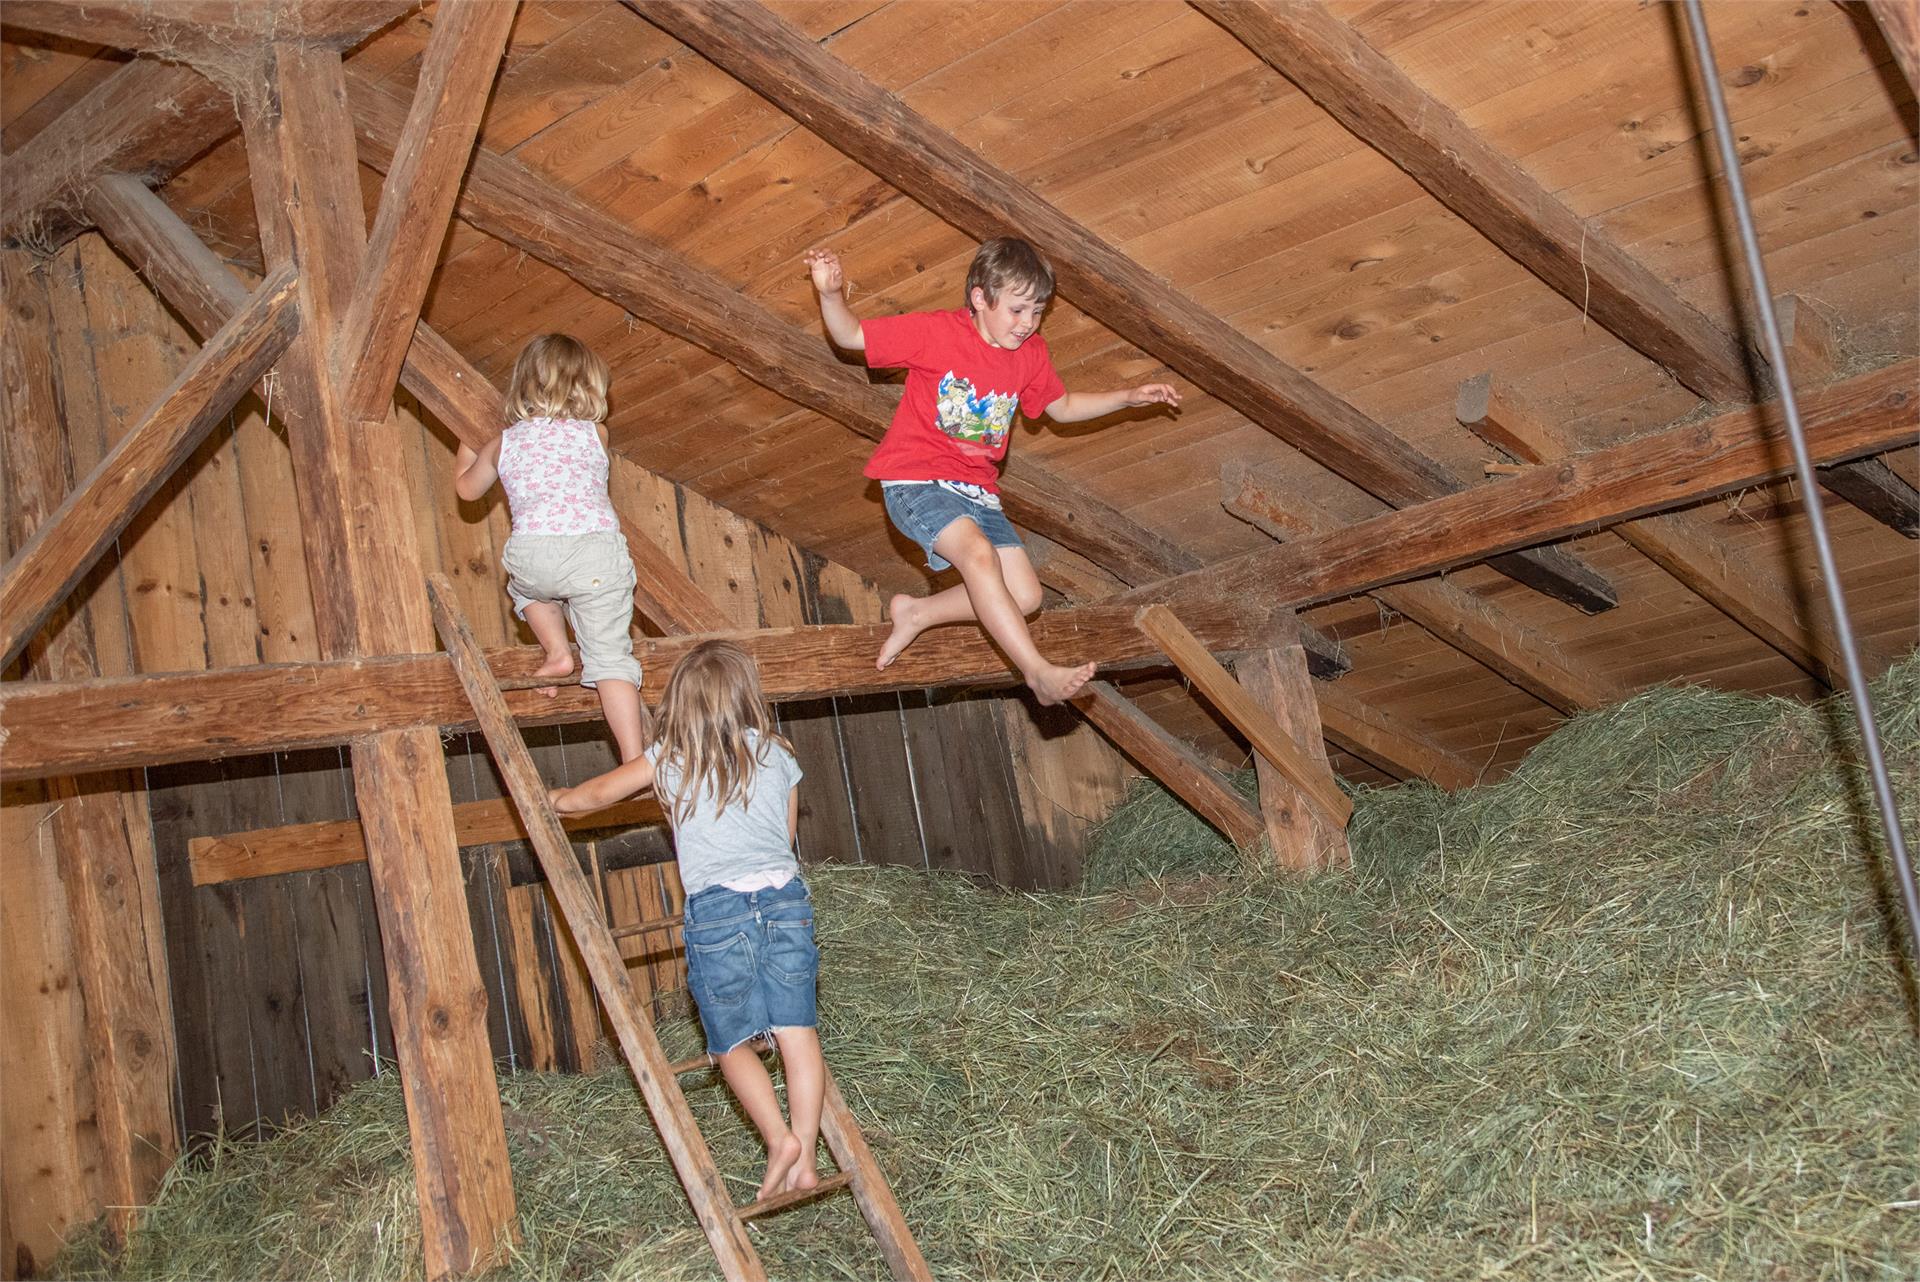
x,y
1632,1013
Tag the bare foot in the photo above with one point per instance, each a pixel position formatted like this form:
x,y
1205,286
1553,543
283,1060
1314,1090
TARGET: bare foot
x,y
802,1176
557,665
780,1159
1054,684
904,612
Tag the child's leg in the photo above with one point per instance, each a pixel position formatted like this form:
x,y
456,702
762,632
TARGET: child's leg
x,y
990,577
747,1076
549,624
620,704
806,1072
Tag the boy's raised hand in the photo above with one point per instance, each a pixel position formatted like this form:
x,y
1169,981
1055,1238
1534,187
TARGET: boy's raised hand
x,y
824,266
1153,394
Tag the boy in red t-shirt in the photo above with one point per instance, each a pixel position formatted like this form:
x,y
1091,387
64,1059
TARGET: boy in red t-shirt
x,y
967,370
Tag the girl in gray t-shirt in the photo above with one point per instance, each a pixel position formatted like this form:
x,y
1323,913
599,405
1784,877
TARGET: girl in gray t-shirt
x,y
727,782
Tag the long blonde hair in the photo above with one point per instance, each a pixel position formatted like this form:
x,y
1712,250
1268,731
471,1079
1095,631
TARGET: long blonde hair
x,y
556,376
713,698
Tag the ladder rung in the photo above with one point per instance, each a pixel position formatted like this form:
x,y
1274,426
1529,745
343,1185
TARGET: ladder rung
x,y
763,1045
781,1201
538,683
645,928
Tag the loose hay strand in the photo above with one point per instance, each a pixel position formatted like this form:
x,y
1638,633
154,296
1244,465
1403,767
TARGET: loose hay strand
x,y
1651,1022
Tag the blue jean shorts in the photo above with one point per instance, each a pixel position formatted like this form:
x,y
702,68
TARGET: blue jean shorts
x,y
751,961
921,511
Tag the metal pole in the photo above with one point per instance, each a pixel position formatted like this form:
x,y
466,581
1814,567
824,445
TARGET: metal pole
x,y
1803,464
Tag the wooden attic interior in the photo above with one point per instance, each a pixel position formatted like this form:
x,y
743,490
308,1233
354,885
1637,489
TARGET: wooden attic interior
x,y
1390,252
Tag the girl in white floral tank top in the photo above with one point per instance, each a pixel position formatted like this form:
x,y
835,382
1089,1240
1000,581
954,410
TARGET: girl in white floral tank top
x,y
566,560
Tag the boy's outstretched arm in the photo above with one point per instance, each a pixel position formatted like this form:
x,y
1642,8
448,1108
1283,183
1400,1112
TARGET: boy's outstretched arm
x,y
603,790
1077,407
475,471
830,283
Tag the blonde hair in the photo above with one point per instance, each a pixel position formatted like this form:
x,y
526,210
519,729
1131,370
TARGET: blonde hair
x,y
556,376
712,699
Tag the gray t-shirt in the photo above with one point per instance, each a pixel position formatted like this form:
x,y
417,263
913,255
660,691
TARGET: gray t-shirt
x,y
741,840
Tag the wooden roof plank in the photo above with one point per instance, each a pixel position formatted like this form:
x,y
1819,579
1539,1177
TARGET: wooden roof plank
x,y
1381,105
881,132
204,31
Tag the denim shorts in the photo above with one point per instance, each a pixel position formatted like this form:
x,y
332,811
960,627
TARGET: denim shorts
x,y
921,511
751,961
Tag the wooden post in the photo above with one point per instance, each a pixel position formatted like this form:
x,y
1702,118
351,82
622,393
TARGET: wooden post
x,y
362,559
1304,836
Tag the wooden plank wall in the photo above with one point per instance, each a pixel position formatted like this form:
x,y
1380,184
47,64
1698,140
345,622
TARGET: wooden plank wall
x,y
278,983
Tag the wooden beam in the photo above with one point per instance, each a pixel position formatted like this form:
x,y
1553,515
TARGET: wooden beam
x,y
360,543
880,131
1478,629
66,546
150,117
215,32
1172,762
48,729
1303,837
1899,22
1684,544
1374,99
692,1160
1388,742
149,720
266,852
438,1002
1873,487
456,76
1271,740
507,200
1864,415
1814,356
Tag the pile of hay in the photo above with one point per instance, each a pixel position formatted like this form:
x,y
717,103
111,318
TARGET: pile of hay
x,y
1636,1011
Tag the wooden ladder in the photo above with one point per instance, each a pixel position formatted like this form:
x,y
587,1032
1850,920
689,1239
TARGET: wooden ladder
x,y
724,1223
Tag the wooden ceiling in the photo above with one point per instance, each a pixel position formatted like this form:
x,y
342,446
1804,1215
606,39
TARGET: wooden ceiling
x,y
1169,140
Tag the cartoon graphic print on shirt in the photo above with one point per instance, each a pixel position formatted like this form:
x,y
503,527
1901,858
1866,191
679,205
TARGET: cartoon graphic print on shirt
x,y
978,422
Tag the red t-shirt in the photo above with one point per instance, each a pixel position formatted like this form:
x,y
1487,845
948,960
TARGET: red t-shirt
x,y
953,422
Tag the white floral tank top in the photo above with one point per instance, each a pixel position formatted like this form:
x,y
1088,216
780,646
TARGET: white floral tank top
x,y
555,473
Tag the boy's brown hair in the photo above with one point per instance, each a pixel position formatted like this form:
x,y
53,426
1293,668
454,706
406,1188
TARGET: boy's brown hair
x,y
1009,262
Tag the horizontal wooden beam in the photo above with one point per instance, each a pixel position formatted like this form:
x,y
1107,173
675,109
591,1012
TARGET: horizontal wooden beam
x,y
216,32
1475,627
1593,491
66,546
266,852
875,128
48,729
1684,544
71,728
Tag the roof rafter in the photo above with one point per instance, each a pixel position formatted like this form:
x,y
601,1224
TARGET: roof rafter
x,y
881,132
1381,106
